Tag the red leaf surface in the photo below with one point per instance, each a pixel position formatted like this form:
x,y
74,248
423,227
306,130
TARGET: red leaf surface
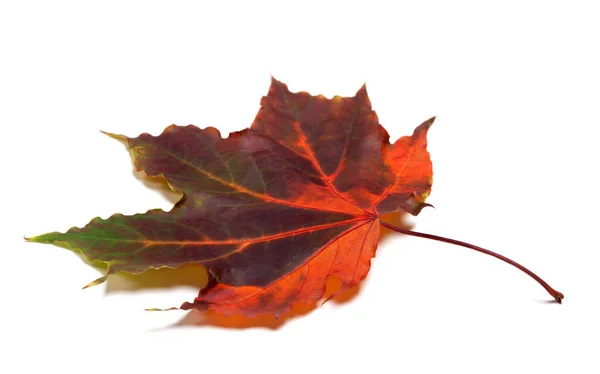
x,y
271,211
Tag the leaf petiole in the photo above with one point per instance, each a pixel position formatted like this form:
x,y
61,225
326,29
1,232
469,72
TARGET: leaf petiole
x,y
555,294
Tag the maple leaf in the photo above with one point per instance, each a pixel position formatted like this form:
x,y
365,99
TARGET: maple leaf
x,y
271,211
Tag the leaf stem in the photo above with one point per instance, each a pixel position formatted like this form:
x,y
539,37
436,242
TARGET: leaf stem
x,y
555,294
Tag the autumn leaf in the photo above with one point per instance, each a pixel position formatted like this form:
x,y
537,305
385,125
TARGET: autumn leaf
x,y
271,211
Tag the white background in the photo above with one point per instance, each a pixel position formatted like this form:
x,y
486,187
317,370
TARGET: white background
x,y
515,87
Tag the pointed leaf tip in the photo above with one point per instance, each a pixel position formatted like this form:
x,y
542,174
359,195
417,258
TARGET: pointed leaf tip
x,y
423,128
48,238
118,137
96,282
160,310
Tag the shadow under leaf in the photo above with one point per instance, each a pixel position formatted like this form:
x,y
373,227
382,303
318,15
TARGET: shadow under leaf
x,y
158,183
196,318
190,274
399,219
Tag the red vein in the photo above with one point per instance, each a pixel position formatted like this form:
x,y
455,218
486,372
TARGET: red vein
x,y
340,165
398,175
239,188
307,267
267,133
337,251
342,159
237,241
362,246
237,250
318,167
264,289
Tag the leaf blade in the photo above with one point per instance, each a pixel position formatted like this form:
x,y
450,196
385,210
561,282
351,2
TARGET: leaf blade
x,y
271,211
